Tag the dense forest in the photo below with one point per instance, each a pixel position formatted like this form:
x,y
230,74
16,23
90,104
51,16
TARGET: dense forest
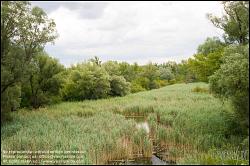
x,y
31,79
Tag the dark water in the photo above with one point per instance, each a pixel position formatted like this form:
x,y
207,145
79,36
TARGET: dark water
x,y
141,122
154,160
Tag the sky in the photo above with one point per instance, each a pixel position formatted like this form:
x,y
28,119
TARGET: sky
x,y
131,31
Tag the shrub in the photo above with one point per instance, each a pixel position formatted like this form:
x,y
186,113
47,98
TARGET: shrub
x,y
231,81
166,73
199,89
162,83
10,100
154,84
43,82
119,86
173,81
135,87
86,81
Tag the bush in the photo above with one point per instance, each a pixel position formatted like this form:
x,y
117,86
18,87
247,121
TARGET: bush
x,y
173,81
86,81
43,82
119,86
166,73
154,84
199,89
10,101
231,81
135,87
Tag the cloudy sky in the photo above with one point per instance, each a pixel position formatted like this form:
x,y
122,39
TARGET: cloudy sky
x,y
129,31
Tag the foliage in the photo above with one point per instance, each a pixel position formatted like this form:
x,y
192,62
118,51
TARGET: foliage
x,y
119,86
184,72
24,32
136,87
129,72
218,157
43,83
199,89
86,81
166,73
210,45
231,81
11,71
176,114
96,61
235,22
95,126
208,59
112,67
150,71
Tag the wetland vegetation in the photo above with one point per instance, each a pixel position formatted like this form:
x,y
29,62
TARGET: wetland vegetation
x,y
192,112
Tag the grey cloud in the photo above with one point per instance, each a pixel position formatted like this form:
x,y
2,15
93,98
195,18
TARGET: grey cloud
x,y
132,32
86,10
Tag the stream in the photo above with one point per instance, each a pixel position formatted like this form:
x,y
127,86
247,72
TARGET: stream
x,y
147,161
154,160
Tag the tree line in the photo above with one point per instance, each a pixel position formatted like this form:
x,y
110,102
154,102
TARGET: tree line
x,y
49,82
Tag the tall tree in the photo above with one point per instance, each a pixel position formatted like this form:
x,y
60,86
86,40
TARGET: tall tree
x,y
96,60
86,81
208,58
231,81
24,32
234,22
43,83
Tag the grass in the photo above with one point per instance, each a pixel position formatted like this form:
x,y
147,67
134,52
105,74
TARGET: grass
x,y
192,122
199,89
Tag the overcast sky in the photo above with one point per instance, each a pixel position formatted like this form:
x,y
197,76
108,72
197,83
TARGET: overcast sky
x,y
129,31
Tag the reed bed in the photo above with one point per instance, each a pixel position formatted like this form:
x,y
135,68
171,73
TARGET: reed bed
x,y
193,122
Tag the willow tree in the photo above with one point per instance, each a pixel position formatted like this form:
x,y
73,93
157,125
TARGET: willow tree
x,y
234,22
24,32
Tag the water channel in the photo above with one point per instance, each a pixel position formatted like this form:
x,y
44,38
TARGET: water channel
x,y
141,122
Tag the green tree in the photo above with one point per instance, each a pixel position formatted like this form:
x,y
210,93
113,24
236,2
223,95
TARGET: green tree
x,y
208,58
119,86
184,73
43,84
96,60
235,21
24,32
136,87
231,81
112,67
171,65
129,72
141,83
149,74
210,45
86,81
166,73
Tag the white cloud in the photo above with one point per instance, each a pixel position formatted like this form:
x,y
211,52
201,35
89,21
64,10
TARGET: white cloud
x,y
132,31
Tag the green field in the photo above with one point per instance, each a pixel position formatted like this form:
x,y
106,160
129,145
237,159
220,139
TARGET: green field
x,y
193,125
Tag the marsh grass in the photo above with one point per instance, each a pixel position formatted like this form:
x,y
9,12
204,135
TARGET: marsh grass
x,y
217,156
184,121
200,89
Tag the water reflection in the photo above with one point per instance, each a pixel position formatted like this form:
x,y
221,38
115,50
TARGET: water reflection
x,y
143,125
154,160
